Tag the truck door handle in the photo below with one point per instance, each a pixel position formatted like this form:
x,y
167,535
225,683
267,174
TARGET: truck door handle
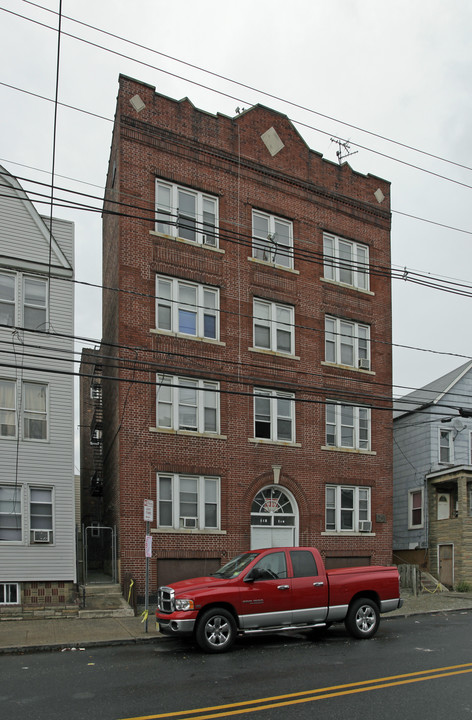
x,y
283,587
318,584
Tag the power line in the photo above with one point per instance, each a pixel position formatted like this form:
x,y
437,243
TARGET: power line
x,y
160,359
253,89
331,395
425,279
101,187
238,99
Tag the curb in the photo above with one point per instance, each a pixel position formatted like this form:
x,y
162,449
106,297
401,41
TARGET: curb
x,y
80,647
77,647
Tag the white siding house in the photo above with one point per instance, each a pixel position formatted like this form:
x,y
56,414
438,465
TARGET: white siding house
x,y
432,477
37,525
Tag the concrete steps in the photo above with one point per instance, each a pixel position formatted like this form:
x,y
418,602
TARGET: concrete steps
x,y
104,600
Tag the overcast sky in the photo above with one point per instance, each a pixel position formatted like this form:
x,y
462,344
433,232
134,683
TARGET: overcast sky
x,y
399,69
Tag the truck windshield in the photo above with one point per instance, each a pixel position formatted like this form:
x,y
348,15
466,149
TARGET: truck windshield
x,y
235,566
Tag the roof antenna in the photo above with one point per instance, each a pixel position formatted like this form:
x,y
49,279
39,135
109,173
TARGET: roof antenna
x,y
343,146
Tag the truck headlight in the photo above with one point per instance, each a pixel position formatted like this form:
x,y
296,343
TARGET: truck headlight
x,y
184,604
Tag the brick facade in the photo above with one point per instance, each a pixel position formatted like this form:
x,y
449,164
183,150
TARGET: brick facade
x,y
226,158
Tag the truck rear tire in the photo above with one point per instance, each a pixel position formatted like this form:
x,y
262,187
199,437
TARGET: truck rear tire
x,y
362,619
216,630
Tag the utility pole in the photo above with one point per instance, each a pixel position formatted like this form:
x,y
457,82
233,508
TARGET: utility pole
x,y
148,517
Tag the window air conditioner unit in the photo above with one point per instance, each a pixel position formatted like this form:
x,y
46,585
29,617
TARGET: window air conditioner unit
x,y
365,526
188,522
364,364
41,536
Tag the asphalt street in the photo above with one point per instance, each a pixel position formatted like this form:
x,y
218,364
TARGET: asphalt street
x,y
419,665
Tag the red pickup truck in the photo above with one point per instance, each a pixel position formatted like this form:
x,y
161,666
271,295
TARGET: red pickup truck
x,y
276,589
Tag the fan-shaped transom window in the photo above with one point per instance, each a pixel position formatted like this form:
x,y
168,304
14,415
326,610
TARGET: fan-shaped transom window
x,y
272,508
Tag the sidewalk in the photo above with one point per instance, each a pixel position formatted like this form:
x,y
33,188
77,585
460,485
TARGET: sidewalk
x,y
69,634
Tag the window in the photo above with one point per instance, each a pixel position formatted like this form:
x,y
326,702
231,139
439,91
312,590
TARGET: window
x,y
7,408
34,303
7,299
187,308
41,514
188,501
35,420
186,214
188,404
415,508
9,594
272,239
446,448
347,508
274,415
272,507
347,343
10,513
303,563
272,567
346,262
274,327
347,426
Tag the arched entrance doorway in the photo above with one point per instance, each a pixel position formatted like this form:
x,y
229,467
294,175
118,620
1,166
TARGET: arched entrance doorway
x,y
274,518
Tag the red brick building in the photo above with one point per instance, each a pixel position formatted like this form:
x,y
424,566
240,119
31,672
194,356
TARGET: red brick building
x,y
246,341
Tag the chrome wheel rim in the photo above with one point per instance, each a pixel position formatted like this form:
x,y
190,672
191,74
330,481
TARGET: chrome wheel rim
x,y
365,618
217,631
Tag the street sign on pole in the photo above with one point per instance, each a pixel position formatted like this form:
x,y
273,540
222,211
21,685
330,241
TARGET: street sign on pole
x,y
148,547
148,510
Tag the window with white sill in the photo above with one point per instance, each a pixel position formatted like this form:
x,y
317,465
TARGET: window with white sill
x,y
35,413
347,508
348,426
41,515
274,415
23,301
32,399
8,400
446,447
272,239
346,262
415,508
185,213
9,594
274,327
11,513
7,299
188,404
347,343
188,501
35,303
187,308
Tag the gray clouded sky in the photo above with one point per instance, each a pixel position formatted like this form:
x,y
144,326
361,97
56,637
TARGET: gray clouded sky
x,y
397,68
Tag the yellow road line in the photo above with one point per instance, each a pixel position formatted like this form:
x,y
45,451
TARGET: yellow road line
x,y
246,706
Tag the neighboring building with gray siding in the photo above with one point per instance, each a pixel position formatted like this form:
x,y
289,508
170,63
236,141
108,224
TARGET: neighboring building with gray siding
x,y
37,524
432,498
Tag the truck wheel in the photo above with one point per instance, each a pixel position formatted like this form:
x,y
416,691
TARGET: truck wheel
x,y
216,630
362,619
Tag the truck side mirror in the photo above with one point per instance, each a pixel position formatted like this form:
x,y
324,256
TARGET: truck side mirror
x,y
254,574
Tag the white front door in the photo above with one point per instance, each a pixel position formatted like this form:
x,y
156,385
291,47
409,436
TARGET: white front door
x,y
272,537
444,506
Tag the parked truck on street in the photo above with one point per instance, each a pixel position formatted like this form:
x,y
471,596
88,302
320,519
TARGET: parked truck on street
x,y
273,590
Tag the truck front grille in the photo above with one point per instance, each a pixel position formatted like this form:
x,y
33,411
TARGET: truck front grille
x,y
165,599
